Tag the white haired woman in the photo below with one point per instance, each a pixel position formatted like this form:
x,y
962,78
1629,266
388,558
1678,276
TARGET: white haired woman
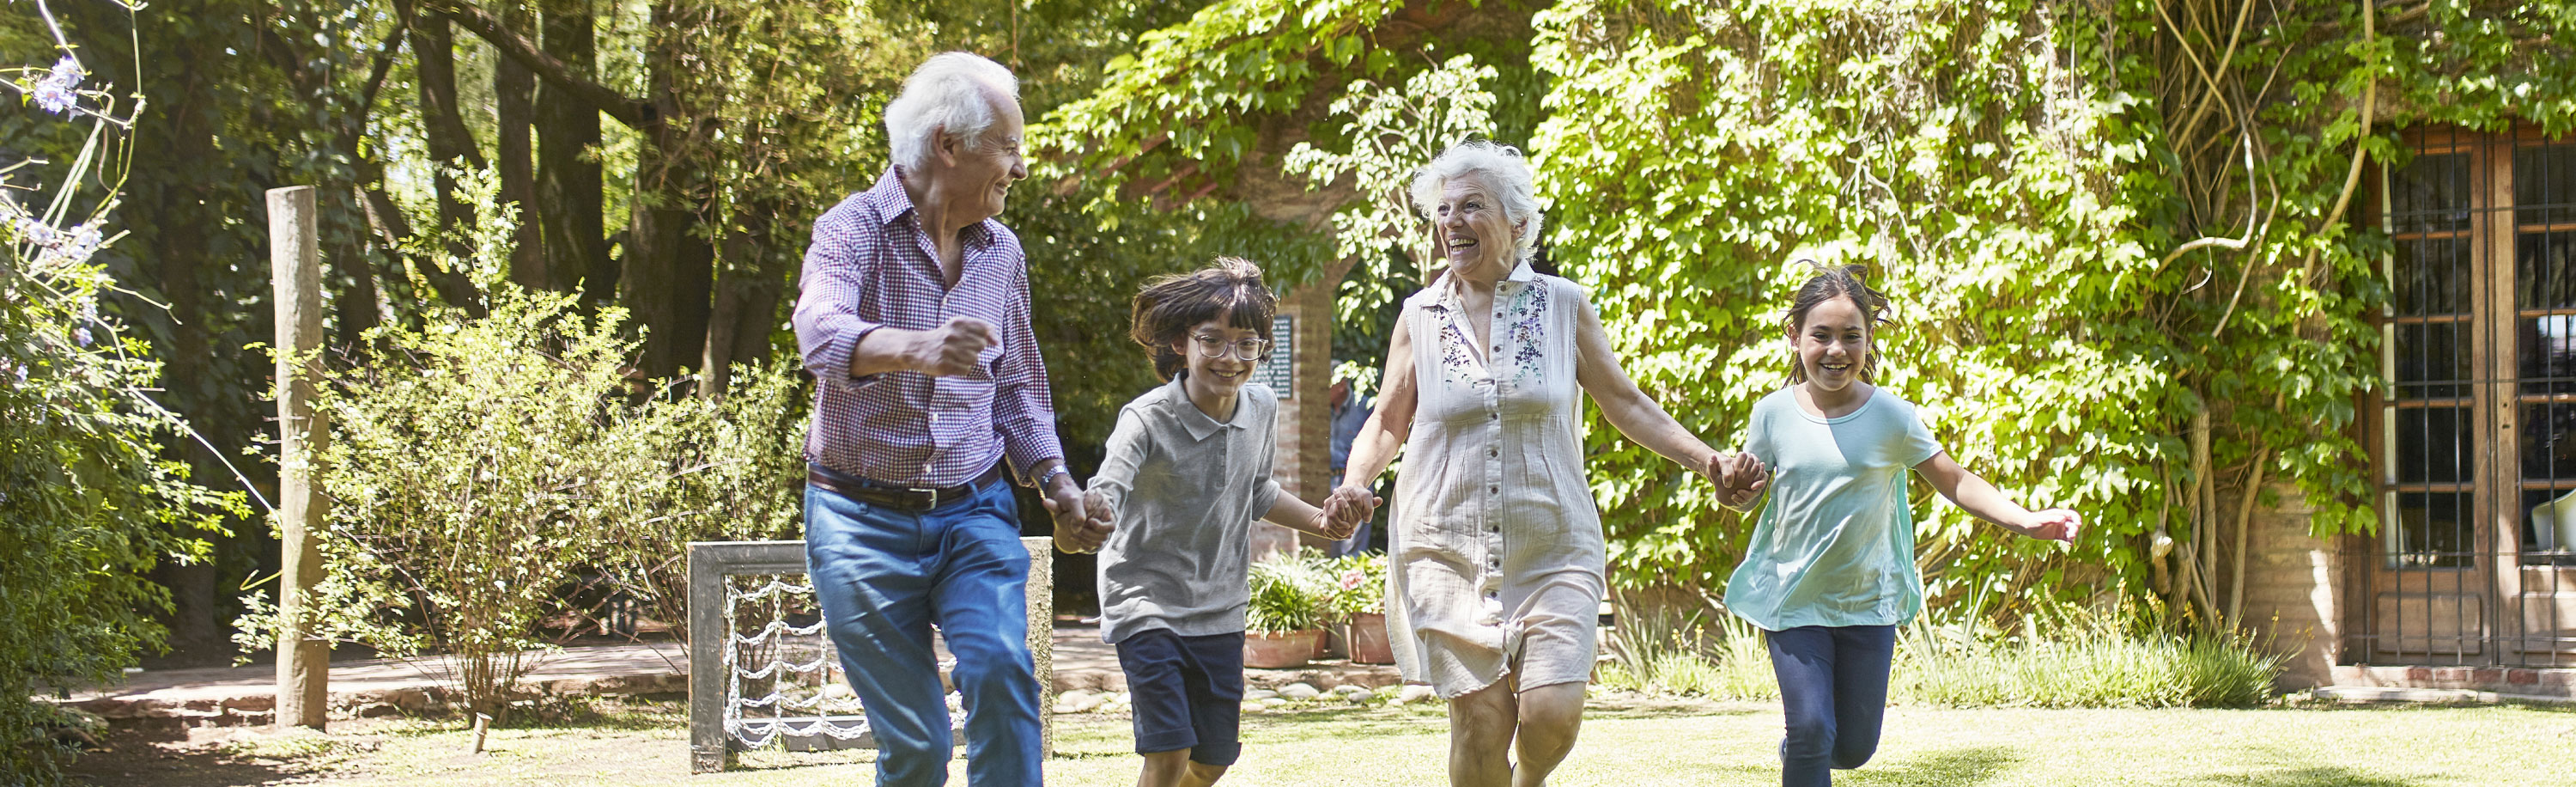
x,y
1495,546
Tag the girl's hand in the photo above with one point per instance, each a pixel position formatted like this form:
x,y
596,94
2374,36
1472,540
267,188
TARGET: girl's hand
x,y
1740,479
2055,524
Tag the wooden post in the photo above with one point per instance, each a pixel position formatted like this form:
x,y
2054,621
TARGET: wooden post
x,y
295,265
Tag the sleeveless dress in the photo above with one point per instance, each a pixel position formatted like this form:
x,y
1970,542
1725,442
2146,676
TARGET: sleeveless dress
x,y
1495,559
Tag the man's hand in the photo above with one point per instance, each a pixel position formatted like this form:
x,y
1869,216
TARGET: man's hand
x,y
952,349
1077,529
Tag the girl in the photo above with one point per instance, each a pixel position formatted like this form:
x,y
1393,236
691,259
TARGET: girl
x,y
1830,573
1187,470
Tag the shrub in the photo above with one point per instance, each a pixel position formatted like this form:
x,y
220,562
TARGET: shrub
x,y
1359,583
1289,593
484,469
87,505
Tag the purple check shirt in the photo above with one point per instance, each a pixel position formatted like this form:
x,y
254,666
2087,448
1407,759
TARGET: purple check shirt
x,y
871,266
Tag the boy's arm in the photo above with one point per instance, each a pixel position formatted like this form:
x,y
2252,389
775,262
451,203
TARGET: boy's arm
x,y
1988,503
1295,514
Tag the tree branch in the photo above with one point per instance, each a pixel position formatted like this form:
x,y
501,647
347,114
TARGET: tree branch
x,y
635,113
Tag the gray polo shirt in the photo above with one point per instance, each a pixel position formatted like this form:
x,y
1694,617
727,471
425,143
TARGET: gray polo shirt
x,y
1187,489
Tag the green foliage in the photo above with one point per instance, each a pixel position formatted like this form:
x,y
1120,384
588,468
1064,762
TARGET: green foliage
x,y
87,505
1692,150
480,467
1290,593
1359,583
2126,658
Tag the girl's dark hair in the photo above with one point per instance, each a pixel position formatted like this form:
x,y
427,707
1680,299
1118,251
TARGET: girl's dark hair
x,y
1832,282
1170,306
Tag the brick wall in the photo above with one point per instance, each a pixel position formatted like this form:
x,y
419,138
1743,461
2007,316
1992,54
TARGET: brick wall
x,y
1305,437
2290,590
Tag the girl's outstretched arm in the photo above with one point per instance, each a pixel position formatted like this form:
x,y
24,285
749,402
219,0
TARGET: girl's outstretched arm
x,y
1988,503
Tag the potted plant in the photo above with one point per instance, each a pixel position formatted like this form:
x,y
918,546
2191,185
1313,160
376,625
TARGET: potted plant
x,y
1284,623
1359,597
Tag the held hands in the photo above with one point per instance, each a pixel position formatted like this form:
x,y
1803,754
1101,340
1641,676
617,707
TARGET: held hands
x,y
1346,509
2055,524
1740,478
1082,519
951,349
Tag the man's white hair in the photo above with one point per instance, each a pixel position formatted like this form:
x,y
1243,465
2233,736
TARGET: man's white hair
x,y
951,93
1505,171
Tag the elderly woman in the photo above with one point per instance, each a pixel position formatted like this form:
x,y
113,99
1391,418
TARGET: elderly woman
x,y
1496,549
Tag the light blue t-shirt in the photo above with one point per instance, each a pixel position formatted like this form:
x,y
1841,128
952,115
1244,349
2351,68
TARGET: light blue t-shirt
x,y
1835,546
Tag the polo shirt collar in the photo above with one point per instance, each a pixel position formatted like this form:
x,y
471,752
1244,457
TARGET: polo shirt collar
x,y
1198,423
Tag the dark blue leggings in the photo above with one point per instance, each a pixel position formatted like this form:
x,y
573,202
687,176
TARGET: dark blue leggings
x,y
1833,688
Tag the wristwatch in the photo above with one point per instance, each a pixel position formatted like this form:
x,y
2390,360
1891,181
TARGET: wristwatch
x,y
1050,475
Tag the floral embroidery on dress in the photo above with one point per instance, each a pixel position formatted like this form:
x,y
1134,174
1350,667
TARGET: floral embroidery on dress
x,y
1455,358
1528,315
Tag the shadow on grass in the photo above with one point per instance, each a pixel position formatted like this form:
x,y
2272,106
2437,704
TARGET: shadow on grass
x,y
166,758
2317,776
1946,768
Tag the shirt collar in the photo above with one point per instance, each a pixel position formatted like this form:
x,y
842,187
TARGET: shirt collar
x,y
1198,423
1447,285
894,205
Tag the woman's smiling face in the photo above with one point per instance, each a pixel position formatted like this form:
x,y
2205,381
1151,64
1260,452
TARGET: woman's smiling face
x,y
1469,228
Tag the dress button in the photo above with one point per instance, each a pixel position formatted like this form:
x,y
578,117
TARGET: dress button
x,y
1493,490
1493,528
1493,452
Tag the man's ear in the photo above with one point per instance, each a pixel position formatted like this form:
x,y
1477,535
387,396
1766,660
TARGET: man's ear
x,y
944,146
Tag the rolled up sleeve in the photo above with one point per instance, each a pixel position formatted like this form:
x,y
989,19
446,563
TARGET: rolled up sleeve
x,y
1023,409
828,325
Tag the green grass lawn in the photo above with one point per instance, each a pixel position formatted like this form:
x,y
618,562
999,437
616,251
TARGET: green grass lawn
x,y
1626,741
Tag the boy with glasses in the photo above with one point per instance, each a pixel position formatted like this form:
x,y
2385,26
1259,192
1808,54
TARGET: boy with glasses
x,y
1188,469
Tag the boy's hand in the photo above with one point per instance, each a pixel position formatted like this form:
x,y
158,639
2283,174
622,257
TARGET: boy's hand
x,y
1348,507
1332,523
1076,530
2055,524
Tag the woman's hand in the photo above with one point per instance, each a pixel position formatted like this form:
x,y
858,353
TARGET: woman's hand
x,y
1740,479
2055,524
1349,506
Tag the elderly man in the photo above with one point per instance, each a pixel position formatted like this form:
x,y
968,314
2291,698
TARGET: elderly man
x,y
915,318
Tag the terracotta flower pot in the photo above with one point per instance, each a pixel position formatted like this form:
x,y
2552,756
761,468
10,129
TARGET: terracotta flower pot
x,y
1368,640
1280,650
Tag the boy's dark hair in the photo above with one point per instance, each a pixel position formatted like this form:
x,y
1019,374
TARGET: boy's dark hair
x,y
1170,306
1832,282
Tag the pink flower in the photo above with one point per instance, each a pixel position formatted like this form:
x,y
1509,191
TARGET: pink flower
x,y
1352,579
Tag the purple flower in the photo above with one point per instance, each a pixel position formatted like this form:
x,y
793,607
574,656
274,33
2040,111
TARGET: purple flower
x,y
35,232
55,92
81,334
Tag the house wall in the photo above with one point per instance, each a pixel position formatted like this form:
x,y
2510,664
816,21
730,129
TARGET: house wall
x,y
2292,584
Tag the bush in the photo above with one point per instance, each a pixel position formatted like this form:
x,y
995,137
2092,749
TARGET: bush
x,y
1290,593
87,504
485,470
2085,660
1359,583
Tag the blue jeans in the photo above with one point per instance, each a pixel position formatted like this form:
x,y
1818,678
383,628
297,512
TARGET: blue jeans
x,y
1833,688
884,576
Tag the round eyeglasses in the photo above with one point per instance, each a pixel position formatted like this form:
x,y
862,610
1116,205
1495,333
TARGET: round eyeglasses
x,y
1245,350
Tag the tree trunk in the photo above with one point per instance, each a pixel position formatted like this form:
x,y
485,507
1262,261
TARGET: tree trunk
x,y
449,143
514,89
668,267
748,287
569,190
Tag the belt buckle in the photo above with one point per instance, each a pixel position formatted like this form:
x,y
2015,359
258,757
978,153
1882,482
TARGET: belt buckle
x,y
932,492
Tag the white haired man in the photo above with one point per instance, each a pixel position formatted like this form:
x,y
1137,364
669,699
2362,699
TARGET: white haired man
x,y
915,320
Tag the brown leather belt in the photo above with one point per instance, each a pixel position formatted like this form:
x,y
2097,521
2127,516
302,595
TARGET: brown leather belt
x,y
907,498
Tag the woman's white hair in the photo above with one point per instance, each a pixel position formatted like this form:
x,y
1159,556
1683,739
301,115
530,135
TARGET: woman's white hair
x,y
1505,171
952,93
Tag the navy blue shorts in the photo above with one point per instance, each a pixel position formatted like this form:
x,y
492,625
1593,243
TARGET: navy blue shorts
x,y
1187,693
